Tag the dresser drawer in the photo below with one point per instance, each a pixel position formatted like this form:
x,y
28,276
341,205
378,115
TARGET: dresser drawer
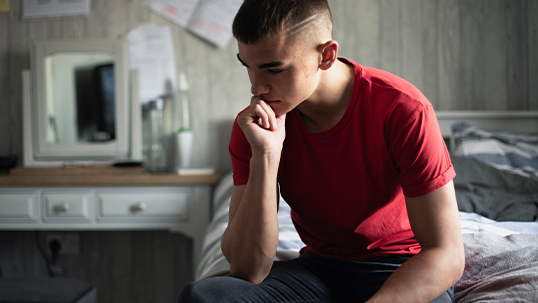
x,y
146,205
67,206
18,207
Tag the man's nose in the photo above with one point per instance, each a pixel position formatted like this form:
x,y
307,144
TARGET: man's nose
x,y
258,86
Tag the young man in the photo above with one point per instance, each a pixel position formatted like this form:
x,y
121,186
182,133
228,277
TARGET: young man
x,y
359,157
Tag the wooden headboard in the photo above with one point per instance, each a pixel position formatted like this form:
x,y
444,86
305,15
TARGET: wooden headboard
x,y
522,121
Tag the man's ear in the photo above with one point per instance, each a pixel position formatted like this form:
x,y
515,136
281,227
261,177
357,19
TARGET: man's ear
x,y
329,54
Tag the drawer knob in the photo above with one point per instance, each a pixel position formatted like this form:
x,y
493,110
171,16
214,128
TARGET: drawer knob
x,y
138,207
61,208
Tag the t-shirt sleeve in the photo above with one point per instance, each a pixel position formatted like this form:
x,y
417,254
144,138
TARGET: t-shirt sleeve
x,y
419,151
240,153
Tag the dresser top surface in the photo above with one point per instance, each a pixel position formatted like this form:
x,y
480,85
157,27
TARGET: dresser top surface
x,y
100,176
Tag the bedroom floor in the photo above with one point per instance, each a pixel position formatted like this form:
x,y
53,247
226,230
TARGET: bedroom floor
x,y
124,266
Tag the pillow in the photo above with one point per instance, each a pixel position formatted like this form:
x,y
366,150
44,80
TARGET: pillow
x,y
493,193
516,152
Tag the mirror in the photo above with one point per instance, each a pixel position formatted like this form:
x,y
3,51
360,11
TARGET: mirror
x,y
79,97
77,106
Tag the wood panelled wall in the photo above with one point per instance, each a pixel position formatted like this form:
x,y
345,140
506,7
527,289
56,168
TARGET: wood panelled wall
x,y
463,54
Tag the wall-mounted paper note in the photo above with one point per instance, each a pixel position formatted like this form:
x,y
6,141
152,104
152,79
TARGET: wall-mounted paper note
x,y
177,11
213,20
54,8
210,19
152,53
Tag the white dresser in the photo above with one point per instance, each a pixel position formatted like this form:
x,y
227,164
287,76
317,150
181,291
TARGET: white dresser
x,y
106,198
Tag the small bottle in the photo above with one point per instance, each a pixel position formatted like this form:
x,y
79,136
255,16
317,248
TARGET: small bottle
x,y
157,151
182,105
184,133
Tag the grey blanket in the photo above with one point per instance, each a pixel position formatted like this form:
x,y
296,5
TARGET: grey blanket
x,y
496,194
499,269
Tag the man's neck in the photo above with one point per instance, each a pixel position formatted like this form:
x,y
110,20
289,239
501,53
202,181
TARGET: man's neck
x,y
328,105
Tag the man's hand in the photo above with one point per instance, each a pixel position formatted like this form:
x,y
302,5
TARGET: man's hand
x,y
263,129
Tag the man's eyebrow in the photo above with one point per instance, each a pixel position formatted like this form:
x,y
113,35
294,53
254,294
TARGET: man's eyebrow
x,y
264,65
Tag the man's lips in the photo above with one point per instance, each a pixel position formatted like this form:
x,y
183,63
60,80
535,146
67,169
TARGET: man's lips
x,y
271,102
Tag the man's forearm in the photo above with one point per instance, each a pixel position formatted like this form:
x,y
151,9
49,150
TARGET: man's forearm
x,y
249,243
422,278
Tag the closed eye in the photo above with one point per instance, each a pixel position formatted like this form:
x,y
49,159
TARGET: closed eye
x,y
275,71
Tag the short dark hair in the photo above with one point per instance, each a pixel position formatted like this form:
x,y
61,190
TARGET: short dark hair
x,y
258,19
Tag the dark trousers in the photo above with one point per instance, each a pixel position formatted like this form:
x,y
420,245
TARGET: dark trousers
x,y
307,279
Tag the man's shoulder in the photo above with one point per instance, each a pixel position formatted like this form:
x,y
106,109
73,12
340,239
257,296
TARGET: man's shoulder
x,y
386,79
382,81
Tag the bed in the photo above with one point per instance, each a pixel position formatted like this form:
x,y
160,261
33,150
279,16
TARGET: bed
x,y
495,155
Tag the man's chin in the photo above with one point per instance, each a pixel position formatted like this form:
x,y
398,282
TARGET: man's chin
x,y
281,111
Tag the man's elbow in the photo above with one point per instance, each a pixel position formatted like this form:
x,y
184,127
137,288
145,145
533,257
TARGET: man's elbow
x,y
251,263
458,262
251,273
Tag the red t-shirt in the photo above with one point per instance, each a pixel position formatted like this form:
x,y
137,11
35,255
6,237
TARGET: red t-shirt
x,y
346,186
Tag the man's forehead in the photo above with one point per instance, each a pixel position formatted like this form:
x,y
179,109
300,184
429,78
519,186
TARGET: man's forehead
x,y
263,52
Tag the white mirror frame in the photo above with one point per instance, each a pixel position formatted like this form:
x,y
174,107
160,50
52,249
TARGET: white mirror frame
x,y
127,146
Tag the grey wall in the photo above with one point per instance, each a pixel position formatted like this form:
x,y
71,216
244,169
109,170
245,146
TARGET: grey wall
x,y
463,54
